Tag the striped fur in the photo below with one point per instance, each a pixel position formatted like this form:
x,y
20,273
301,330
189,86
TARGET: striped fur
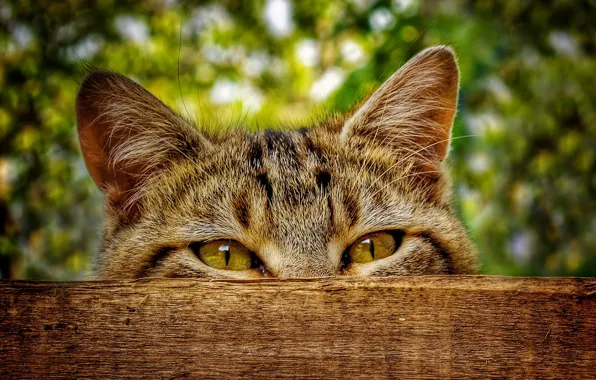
x,y
296,198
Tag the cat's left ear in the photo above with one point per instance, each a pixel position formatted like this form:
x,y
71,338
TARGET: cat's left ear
x,y
127,135
413,111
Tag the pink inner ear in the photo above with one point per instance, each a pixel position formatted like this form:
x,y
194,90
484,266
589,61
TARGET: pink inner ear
x,y
95,158
99,139
118,182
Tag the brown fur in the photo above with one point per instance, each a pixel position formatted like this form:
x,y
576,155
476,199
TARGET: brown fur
x,y
296,198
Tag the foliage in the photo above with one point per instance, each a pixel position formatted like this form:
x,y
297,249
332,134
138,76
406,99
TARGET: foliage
x,y
522,158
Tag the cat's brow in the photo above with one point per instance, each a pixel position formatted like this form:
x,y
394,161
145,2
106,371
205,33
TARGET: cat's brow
x,y
263,180
241,209
352,209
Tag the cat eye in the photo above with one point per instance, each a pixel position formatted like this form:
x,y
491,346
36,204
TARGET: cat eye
x,y
226,254
375,246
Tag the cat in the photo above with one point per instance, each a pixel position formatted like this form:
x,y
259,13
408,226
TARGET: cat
x,y
364,194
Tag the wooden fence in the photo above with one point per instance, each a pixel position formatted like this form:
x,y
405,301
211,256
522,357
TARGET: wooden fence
x,y
403,328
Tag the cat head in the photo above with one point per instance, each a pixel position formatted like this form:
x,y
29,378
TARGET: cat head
x,y
363,194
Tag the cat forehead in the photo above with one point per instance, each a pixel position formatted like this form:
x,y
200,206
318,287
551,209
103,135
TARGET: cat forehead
x,y
291,168
279,150
287,161
277,153
317,148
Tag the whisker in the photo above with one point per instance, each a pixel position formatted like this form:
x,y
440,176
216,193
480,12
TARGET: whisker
x,y
403,177
401,160
179,85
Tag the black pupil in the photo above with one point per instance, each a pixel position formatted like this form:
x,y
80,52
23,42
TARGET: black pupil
x,y
226,248
371,244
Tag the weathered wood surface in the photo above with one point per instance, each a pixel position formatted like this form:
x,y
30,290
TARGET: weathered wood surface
x,y
404,328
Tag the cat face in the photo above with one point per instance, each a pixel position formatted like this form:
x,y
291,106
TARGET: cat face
x,y
364,194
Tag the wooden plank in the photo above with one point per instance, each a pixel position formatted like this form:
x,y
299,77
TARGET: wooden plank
x,y
407,327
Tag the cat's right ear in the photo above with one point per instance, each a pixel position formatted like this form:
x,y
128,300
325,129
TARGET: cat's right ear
x,y
413,111
126,134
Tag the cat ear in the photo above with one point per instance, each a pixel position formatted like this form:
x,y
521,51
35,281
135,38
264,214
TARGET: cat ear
x,y
126,134
413,111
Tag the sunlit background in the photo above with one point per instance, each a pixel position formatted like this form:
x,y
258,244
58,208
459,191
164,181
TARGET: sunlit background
x,y
524,179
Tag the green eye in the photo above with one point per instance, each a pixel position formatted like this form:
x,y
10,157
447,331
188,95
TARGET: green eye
x,y
225,254
373,246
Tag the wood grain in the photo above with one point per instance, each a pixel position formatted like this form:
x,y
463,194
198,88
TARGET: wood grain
x,y
404,328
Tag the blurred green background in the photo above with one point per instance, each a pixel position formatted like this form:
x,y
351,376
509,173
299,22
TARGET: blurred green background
x,y
524,180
